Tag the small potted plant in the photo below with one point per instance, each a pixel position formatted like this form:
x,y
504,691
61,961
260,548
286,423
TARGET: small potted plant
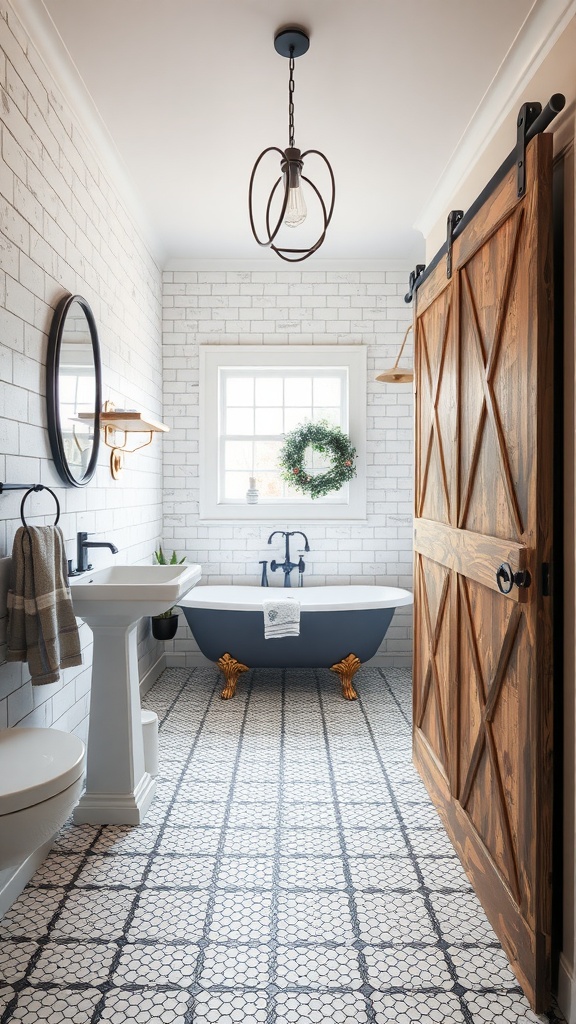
x,y
164,626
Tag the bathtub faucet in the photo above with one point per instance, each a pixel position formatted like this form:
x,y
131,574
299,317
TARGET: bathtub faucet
x,y
287,565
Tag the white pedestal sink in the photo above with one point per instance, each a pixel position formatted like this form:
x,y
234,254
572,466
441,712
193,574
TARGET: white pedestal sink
x,y
118,789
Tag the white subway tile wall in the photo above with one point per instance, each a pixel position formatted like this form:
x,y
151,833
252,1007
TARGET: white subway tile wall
x,y
63,228
277,306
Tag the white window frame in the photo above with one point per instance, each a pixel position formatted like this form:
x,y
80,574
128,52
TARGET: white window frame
x,y
213,358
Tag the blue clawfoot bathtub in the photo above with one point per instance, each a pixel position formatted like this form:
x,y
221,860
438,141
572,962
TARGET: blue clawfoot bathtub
x,y
340,628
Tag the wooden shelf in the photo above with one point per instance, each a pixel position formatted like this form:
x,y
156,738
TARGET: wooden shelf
x,y
128,421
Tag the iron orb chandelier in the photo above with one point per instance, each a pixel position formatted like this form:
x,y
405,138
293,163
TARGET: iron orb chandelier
x,y
291,43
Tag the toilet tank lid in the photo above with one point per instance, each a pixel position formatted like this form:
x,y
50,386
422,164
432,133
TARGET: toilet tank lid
x,y
36,764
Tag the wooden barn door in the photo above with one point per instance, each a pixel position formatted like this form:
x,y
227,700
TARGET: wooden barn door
x,y
482,680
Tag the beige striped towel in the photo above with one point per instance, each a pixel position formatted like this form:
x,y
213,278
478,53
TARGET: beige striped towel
x,y
42,627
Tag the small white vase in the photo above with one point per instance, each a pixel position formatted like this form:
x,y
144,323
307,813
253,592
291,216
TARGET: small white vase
x,y
252,493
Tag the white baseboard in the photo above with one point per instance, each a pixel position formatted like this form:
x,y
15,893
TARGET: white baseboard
x,y
14,880
150,677
567,990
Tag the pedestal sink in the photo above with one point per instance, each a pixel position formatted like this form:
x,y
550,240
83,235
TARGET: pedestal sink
x,y
118,789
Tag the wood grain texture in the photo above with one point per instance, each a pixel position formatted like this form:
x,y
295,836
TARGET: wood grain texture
x,y
483,496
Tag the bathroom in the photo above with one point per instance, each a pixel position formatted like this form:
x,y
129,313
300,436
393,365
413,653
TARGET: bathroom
x,y
71,224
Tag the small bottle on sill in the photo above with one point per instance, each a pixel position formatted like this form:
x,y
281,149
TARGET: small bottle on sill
x,y
252,493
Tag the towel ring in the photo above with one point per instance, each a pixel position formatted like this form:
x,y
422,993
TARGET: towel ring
x,y
38,487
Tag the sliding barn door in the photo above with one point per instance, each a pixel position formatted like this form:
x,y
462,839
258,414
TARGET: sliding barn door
x,y
482,680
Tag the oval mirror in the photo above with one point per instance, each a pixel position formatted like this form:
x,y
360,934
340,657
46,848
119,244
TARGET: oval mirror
x,y
74,390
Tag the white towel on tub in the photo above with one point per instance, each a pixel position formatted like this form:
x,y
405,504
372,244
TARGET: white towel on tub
x,y
281,617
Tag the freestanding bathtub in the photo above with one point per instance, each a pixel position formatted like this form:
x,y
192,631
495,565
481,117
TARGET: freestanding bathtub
x,y
340,628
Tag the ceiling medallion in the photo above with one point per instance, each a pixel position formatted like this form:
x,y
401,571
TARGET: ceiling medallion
x,y
291,43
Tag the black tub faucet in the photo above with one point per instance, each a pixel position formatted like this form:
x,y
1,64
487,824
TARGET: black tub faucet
x,y
82,553
264,579
287,565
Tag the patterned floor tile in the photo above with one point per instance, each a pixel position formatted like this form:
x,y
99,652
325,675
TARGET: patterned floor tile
x,y
500,1008
180,872
94,914
241,917
31,914
318,967
162,964
143,1006
482,967
461,918
246,873
14,958
407,968
55,1007
234,1008
323,1008
235,967
164,916
405,1008
393,917
57,869
311,873
310,841
74,963
383,873
290,869
111,871
314,917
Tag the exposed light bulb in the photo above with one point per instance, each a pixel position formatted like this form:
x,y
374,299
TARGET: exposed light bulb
x,y
295,208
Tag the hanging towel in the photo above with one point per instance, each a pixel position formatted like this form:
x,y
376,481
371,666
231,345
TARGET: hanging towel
x,y
42,626
281,618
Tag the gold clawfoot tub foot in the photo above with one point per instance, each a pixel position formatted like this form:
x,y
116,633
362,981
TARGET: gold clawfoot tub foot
x,y
231,669
347,669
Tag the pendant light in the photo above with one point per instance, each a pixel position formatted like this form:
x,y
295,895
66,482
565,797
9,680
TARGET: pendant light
x,y
291,43
398,374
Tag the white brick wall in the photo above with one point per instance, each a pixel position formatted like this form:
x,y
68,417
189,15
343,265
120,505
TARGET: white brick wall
x,y
63,228
298,306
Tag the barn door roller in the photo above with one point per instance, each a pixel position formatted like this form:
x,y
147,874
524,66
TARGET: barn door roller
x,y
526,116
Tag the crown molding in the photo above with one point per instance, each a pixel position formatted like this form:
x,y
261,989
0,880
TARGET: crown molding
x,y
540,31
50,47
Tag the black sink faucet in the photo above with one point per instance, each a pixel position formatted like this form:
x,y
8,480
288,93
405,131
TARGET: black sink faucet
x,y
82,553
287,565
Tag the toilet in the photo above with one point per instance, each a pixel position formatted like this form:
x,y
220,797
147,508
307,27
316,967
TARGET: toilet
x,y
41,773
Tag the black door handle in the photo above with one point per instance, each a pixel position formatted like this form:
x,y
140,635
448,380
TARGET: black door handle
x,y
506,579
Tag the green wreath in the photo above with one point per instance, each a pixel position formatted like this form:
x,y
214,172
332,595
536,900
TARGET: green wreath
x,y
322,438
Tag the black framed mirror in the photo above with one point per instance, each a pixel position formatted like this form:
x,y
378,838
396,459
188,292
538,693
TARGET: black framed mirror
x,y
74,390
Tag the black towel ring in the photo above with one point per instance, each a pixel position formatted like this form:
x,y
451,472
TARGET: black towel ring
x,y
39,487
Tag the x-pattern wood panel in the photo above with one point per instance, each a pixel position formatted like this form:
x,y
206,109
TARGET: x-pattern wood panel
x,y
487,365
432,677
488,695
435,432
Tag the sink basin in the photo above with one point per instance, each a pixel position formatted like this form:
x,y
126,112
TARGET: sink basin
x,y
130,591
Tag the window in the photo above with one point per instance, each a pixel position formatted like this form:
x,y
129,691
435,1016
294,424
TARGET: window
x,y
251,397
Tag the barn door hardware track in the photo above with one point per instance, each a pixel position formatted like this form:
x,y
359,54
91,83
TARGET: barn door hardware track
x,y
536,120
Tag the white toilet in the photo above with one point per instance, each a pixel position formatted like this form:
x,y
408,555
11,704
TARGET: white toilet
x,y
41,774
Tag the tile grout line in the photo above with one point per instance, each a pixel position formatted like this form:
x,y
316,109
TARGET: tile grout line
x,y
358,944
457,989
271,1008
194,988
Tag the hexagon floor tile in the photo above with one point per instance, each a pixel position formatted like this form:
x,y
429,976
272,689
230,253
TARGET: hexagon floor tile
x,y
291,869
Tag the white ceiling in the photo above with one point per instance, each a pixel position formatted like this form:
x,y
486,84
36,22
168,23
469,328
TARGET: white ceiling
x,y
191,91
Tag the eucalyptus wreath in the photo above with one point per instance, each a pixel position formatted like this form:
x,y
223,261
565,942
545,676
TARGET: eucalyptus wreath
x,y
324,438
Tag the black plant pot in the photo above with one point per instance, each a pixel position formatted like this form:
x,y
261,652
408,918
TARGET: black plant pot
x,y
165,629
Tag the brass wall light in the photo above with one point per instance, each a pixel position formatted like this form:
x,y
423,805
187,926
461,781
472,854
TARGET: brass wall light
x,y
291,43
398,374
125,421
